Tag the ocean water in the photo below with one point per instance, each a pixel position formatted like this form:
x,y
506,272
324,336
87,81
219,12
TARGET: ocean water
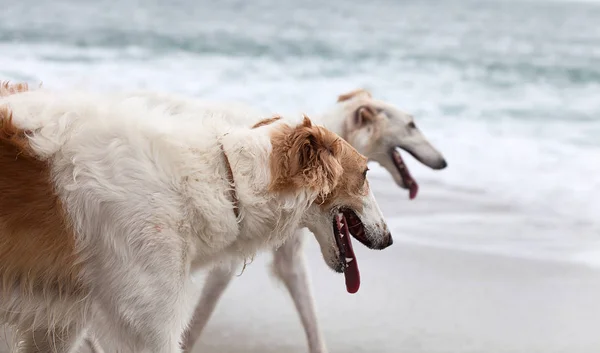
x,y
509,91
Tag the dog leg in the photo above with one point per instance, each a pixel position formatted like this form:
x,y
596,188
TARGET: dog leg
x,y
146,298
217,281
289,265
150,325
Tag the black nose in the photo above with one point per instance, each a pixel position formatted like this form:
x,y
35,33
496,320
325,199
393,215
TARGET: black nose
x,y
388,241
442,164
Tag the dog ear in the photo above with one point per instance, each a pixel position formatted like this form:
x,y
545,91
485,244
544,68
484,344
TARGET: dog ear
x,y
317,160
363,115
353,94
309,160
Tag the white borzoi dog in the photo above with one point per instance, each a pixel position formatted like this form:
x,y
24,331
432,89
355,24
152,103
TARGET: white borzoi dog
x,y
377,129
108,203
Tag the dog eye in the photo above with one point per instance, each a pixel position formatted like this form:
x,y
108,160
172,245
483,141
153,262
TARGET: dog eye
x,y
365,173
411,125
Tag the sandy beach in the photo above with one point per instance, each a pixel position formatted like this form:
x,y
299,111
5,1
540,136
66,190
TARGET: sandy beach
x,y
422,298
419,299
499,253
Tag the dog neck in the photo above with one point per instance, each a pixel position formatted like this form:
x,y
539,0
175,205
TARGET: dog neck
x,y
267,218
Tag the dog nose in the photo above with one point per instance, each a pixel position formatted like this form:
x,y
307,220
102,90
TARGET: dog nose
x,y
388,241
442,164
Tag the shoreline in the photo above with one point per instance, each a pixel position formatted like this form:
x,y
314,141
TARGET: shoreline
x,y
417,299
442,300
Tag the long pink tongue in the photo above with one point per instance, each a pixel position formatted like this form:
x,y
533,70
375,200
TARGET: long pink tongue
x,y
413,187
351,272
413,190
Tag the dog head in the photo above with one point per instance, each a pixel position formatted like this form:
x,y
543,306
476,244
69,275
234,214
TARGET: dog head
x,y
309,158
378,129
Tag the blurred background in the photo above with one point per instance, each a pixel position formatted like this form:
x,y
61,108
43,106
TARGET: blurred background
x,y
499,251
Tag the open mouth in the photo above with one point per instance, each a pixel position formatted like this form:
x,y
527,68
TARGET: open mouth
x,y
407,179
346,223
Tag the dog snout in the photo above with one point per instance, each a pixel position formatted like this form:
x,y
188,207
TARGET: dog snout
x,y
385,239
441,164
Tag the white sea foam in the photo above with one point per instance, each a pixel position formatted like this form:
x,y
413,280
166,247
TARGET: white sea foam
x,y
518,133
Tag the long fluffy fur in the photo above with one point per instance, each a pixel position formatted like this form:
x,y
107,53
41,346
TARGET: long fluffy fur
x,y
372,127
125,196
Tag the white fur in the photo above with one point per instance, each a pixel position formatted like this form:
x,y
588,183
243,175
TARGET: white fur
x,y
144,182
374,141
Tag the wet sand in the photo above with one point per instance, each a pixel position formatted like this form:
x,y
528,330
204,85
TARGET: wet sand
x,y
421,298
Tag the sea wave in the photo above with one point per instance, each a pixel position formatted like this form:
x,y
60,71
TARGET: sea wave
x,y
509,93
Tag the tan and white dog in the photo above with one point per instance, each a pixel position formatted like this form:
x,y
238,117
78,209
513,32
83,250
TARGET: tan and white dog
x,y
376,129
108,203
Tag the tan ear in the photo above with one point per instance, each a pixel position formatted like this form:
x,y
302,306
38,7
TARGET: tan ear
x,y
266,121
307,159
353,94
364,115
306,121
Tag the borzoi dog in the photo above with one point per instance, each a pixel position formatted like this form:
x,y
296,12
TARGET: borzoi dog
x,y
376,129
107,204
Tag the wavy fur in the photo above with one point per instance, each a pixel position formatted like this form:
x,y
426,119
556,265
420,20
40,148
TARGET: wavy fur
x,y
110,201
